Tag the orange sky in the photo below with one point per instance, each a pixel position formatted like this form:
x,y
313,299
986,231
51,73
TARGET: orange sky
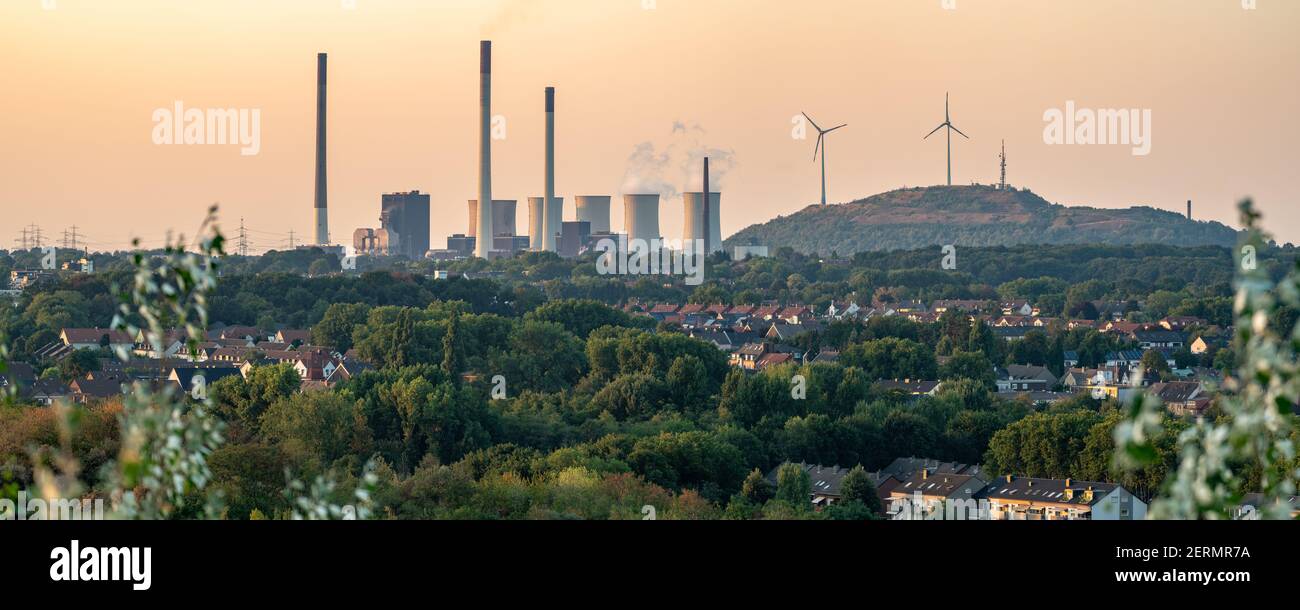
x,y
82,80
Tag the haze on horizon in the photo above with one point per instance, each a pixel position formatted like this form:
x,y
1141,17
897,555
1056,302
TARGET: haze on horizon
x,y
83,79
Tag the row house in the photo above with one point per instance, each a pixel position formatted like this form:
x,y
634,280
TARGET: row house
x,y
1013,498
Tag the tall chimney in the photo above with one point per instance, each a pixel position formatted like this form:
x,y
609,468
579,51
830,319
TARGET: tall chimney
x,y
1189,209
707,204
484,235
549,217
322,193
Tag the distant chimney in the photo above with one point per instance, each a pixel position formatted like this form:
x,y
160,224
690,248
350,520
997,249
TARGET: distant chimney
x,y
484,236
552,214
322,193
1009,478
1189,209
1067,482
925,473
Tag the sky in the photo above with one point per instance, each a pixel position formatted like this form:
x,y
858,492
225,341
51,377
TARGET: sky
x,y
643,86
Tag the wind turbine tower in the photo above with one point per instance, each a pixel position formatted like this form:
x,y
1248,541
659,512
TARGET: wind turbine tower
x,y
947,122
821,147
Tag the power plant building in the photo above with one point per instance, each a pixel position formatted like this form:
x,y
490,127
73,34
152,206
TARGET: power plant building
x,y
406,215
641,217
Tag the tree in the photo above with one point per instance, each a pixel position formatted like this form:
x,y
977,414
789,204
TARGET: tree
x,y
892,358
452,358
794,486
336,327
756,488
969,365
857,486
1155,365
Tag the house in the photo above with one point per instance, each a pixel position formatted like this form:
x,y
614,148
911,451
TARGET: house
x,y
1182,397
1011,333
17,374
315,365
827,356
1071,359
796,314
759,356
1037,398
1124,358
44,392
784,333
663,311
911,387
1013,498
841,310
95,338
967,306
192,377
247,334
1025,378
1204,344
826,481
1017,308
931,495
88,390
172,342
346,370
1181,322
1152,339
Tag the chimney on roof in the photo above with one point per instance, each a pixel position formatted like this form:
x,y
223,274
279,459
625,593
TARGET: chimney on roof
x,y
1087,494
925,473
1009,478
1067,481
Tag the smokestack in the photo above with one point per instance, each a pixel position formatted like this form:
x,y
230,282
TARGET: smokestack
x,y
707,204
322,193
484,234
1189,209
595,210
695,219
554,212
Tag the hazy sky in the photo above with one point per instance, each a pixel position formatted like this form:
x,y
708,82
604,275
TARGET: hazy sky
x,y
81,81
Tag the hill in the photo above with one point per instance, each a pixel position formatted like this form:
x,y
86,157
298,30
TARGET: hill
x,y
923,217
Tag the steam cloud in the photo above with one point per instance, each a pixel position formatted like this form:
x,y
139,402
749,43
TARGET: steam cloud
x,y
680,163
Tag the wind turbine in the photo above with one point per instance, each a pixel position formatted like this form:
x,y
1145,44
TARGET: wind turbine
x,y
947,122
821,147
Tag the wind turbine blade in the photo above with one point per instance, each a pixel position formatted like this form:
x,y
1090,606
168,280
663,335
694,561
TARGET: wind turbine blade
x,y
814,123
834,128
819,146
946,119
927,136
959,131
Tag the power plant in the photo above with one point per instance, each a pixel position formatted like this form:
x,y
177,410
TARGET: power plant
x,y
695,219
484,232
641,217
322,193
595,210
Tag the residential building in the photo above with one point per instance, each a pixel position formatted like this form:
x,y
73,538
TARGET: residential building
x,y
1028,499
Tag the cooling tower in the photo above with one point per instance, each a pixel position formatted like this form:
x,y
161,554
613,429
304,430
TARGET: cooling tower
x,y
641,216
595,210
535,212
554,209
483,230
693,225
502,217
322,193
